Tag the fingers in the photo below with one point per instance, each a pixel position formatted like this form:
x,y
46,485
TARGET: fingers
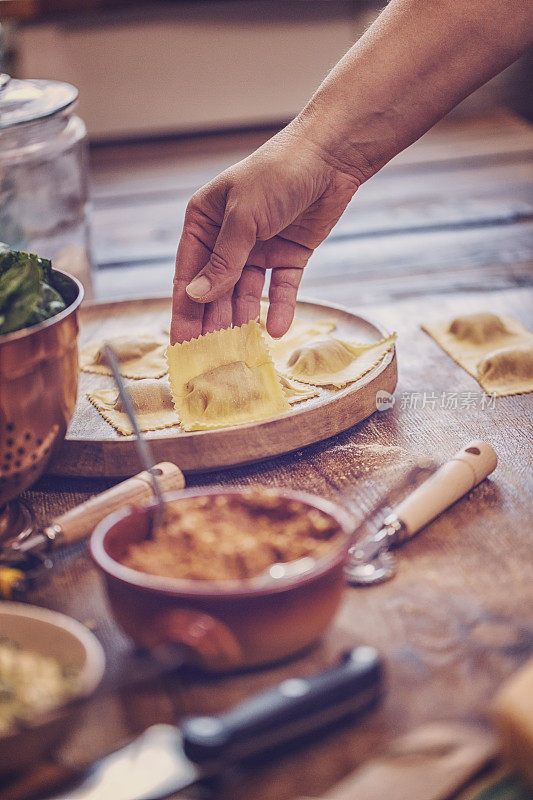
x,y
212,286
186,314
286,259
235,240
218,314
239,306
247,295
282,295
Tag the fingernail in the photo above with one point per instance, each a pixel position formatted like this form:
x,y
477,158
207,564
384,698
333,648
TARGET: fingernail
x,y
199,287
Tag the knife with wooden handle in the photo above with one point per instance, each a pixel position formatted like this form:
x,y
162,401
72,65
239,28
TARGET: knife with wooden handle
x,y
166,759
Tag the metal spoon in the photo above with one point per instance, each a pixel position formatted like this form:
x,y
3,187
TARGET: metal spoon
x,y
143,448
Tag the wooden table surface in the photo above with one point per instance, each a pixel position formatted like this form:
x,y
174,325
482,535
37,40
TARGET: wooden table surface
x,y
443,231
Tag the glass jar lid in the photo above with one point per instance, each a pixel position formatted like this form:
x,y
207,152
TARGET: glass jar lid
x,y
28,100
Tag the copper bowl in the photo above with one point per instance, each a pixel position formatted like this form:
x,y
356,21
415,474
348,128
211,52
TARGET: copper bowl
x,y
220,625
38,389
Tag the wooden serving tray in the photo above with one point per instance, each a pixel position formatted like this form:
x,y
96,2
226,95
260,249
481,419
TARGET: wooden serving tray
x,y
93,448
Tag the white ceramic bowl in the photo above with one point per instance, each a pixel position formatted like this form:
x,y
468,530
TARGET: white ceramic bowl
x,y
66,640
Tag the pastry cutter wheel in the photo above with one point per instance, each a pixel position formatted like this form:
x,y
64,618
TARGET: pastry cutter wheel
x,y
25,559
370,560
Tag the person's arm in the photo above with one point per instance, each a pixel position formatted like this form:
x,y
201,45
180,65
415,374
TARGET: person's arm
x,y
270,211
417,61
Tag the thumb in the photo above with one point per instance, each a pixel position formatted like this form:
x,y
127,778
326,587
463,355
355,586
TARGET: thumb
x,y
235,240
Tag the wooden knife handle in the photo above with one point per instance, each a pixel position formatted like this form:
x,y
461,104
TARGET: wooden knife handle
x,y
79,522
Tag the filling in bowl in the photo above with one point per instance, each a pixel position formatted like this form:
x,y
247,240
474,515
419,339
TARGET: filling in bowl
x,y
31,684
233,537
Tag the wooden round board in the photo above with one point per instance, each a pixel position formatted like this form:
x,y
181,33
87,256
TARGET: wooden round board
x,y
93,448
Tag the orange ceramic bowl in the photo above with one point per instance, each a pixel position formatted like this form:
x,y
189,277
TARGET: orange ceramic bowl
x,y
221,625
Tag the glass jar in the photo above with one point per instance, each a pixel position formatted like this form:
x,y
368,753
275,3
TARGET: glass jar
x,y
43,174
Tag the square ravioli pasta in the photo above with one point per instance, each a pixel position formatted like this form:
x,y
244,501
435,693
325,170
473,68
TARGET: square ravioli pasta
x,y
151,400
224,378
139,356
297,392
326,360
495,349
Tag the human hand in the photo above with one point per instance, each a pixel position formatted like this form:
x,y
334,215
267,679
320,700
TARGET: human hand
x,y
269,211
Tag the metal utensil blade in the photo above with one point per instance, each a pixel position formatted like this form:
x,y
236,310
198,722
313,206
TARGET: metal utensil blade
x,y
143,449
166,759
153,766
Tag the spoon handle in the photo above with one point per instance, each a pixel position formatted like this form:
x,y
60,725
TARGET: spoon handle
x,y
79,522
143,448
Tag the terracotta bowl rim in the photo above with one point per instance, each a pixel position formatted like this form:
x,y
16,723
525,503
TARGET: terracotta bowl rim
x,y
87,679
51,321
180,587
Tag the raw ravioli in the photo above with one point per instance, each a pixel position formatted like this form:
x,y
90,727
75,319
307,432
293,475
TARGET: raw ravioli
x,y
478,329
139,357
151,399
328,361
474,339
297,392
224,378
507,371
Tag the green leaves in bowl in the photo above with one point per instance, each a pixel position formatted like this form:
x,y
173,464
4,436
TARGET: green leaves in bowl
x,y
26,296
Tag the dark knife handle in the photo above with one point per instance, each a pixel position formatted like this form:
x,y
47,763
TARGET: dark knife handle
x,y
293,709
